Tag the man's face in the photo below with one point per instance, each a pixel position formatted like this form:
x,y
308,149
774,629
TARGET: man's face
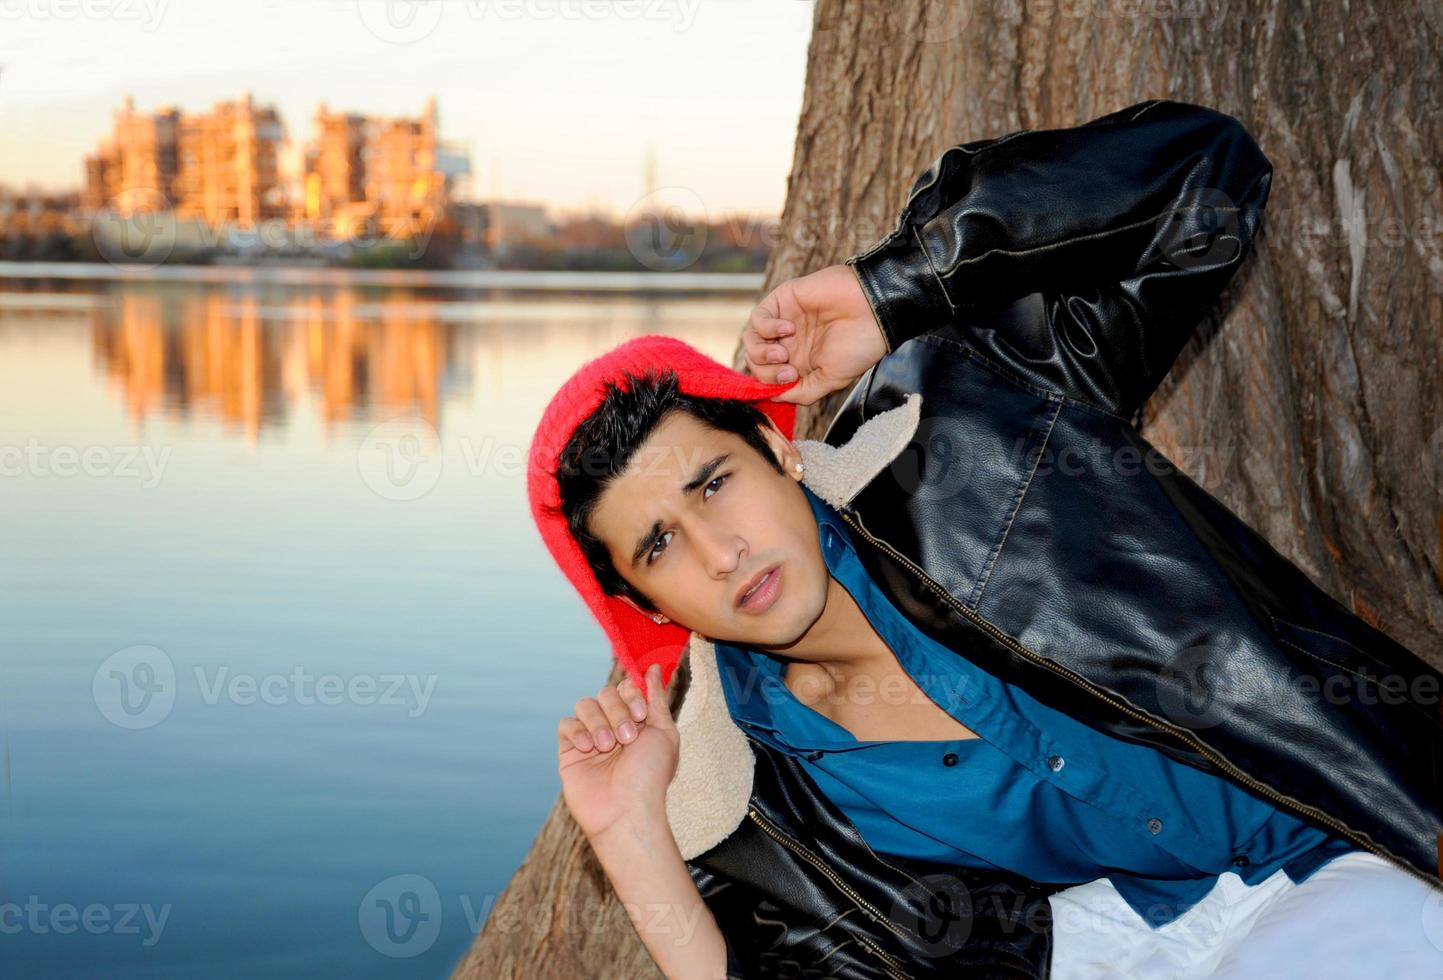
x,y
699,547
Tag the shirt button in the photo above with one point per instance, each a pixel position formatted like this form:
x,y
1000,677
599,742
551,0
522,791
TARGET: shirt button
x,y
1054,762
950,759
1240,860
1154,825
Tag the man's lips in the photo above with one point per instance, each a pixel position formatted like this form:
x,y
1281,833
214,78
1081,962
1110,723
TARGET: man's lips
x,y
751,584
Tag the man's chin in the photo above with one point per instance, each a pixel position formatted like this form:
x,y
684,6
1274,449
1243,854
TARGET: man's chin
x,y
779,639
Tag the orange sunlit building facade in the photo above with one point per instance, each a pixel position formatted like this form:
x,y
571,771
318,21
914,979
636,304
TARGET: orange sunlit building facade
x,y
136,167
393,172
228,167
392,175
219,166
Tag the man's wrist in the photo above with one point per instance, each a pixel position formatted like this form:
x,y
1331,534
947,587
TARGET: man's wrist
x,y
642,829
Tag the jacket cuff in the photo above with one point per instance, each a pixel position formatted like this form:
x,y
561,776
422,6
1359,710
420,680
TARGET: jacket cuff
x,y
901,286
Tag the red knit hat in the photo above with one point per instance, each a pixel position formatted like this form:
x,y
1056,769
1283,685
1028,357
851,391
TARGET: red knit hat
x,y
637,640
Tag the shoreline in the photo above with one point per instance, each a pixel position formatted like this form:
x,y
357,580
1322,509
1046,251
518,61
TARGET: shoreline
x,y
511,279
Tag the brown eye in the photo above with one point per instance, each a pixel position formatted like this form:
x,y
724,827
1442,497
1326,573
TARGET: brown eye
x,y
653,554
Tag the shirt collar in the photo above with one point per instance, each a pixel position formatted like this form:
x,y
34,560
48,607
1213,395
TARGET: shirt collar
x,y
834,535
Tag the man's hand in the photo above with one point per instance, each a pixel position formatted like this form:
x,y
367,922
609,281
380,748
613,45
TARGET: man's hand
x,y
618,754
819,328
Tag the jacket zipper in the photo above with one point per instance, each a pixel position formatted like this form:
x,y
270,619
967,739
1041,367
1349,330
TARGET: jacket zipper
x,y
1112,700
891,963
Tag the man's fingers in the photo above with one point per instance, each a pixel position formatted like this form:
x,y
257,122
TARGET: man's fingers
x,y
590,713
772,353
769,362
768,325
813,387
762,341
618,715
761,352
571,733
659,713
631,695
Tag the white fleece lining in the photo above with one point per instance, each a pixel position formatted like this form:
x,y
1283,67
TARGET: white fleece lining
x,y
708,797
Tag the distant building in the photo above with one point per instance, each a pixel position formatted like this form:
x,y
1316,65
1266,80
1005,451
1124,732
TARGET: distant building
x,y
509,225
393,171
228,164
36,224
335,167
357,177
590,232
136,167
218,166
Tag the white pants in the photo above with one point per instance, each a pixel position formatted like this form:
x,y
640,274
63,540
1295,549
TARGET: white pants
x,y
1358,915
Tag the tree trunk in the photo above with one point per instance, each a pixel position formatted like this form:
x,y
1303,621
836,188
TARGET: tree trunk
x,y
1310,401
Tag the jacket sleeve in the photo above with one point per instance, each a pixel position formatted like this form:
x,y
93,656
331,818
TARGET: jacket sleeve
x,y
729,901
1123,230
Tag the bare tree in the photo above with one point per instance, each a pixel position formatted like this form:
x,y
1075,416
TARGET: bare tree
x,y
1310,401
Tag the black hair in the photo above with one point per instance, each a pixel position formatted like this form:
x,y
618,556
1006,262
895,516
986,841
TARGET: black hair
x,y
602,445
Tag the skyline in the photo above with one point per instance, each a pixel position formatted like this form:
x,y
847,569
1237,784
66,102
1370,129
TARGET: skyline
x,y
511,77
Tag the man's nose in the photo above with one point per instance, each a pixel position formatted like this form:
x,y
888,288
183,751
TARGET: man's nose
x,y
722,550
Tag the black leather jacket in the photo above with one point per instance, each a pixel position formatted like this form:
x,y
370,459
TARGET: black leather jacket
x,y
1037,288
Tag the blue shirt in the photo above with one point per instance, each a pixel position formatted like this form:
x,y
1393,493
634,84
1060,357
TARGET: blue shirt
x,y
1038,793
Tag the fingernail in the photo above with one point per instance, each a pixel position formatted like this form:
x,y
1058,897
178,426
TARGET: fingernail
x,y
626,731
785,327
638,708
604,741
584,742
786,374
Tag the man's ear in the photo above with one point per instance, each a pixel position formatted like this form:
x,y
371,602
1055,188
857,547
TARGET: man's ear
x,y
783,448
649,615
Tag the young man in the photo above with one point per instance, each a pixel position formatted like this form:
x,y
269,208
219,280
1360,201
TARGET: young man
x,y
946,721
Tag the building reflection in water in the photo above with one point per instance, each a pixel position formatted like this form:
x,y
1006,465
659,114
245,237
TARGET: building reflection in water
x,y
247,359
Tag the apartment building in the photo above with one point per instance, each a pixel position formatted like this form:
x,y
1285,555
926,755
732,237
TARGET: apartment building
x,y
394,172
219,166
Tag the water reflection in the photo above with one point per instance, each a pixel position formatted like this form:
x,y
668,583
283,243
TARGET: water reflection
x,y
227,356
262,825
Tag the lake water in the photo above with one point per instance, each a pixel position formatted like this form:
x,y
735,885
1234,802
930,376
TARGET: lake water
x,y
283,654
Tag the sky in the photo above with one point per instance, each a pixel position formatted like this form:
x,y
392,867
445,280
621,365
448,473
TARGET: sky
x,y
560,101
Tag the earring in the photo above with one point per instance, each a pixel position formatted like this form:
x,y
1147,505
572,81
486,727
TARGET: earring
x,y
798,468
658,618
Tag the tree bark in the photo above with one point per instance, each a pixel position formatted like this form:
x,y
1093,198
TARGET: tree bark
x,y
1310,401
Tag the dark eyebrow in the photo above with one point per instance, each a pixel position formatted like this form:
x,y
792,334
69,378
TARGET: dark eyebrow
x,y
700,479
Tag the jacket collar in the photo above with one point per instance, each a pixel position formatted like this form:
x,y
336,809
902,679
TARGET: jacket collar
x,y
708,796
